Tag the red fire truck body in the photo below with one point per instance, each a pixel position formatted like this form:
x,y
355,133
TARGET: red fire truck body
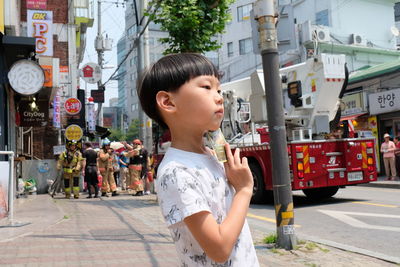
x,y
318,166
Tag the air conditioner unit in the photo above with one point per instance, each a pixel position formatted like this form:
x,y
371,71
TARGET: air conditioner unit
x,y
357,39
310,33
321,34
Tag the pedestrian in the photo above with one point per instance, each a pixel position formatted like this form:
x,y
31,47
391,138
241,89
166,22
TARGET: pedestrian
x,y
204,202
123,171
135,154
397,154
71,163
388,148
105,163
90,171
116,167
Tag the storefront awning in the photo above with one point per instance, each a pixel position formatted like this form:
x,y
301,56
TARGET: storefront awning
x,y
352,117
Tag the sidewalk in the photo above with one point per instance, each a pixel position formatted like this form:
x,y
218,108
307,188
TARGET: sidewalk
x,y
124,231
381,182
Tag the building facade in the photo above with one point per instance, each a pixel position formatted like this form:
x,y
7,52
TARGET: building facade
x,y
51,33
305,25
128,97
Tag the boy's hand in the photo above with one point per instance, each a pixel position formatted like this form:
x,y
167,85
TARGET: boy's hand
x,y
238,172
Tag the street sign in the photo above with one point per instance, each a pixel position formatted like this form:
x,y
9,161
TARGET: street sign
x,y
73,132
72,106
98,96
91,73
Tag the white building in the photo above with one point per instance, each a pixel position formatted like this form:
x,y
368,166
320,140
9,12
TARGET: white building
x,y
364,28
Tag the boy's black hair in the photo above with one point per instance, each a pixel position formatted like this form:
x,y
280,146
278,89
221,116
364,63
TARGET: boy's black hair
x,y
168,74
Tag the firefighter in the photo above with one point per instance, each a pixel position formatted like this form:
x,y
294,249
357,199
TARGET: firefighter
x,y
136,160
71,162
105,162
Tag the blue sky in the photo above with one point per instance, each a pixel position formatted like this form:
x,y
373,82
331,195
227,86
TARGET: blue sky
x,y
113,24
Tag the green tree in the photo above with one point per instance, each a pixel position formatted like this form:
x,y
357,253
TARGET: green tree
x,y
191,24
131,134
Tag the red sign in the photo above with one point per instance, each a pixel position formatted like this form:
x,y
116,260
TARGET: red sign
x,y
88,71
36,4
72,106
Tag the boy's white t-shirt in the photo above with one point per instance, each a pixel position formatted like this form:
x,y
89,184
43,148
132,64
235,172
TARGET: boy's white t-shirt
x,y
188,183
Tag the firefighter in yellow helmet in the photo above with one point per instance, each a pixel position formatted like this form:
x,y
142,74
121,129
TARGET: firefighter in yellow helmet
x,y
71,163
138,156
105,162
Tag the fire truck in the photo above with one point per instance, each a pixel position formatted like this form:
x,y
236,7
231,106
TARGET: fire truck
x,y
311,94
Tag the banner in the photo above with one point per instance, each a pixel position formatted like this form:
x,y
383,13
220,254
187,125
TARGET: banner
x,y
36,4
57,110
4,178
40,26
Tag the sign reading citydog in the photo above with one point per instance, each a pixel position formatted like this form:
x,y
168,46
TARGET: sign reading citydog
x,y
40,26
33,115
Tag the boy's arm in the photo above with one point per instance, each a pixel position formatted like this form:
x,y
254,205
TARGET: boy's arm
x,y
218,240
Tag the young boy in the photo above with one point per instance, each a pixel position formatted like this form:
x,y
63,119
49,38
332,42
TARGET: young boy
x,y
203,203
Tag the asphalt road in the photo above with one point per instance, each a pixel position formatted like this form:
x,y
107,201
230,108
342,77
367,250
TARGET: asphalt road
x,y
361,219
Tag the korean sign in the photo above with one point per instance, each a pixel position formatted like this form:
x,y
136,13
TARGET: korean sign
x,y
91,73
73,132
383,102
353,104
57,110
40,26
36,4
72,106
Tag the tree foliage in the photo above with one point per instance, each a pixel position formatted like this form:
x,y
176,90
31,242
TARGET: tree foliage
x,y
191,24
131,134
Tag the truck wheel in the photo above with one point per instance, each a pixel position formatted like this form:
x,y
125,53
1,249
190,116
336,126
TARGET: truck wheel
x,y
321,193
259,192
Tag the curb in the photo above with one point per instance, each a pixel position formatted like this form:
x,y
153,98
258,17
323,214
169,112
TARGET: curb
x,y
383,184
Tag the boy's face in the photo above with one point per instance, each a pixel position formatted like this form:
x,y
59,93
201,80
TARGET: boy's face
x,y
199,104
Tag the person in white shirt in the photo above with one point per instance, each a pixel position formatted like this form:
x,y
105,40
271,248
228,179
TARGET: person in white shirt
x,y
204,203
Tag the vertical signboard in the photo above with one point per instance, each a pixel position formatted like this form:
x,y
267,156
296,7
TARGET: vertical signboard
x,y
57,110
2,16
4,178
40,26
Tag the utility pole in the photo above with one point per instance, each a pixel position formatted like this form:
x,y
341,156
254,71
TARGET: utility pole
x,y
145,131
264,12
99,49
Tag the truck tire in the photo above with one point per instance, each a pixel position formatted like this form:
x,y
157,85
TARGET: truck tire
x,y
260,195
321,193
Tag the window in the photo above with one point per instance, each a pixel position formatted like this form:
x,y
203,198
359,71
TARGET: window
x,y
131,30
132,107
322,18
229,11
245,46
230,49
243,12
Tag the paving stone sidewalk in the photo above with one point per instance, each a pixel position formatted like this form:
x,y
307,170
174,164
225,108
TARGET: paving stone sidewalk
x,y
123,231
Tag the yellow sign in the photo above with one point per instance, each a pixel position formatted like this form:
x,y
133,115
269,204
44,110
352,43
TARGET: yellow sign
x,y
2,16
73,132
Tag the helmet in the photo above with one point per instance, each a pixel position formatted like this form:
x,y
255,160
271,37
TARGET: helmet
x,y
72,142
137,142
105,142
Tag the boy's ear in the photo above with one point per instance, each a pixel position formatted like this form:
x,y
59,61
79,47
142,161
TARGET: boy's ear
x,y
165,101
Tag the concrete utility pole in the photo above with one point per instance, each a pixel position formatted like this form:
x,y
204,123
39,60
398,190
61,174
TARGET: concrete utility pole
x,y
99,48
145,132
264,11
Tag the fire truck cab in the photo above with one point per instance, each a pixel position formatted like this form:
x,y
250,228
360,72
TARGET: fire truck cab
x,y
311,96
